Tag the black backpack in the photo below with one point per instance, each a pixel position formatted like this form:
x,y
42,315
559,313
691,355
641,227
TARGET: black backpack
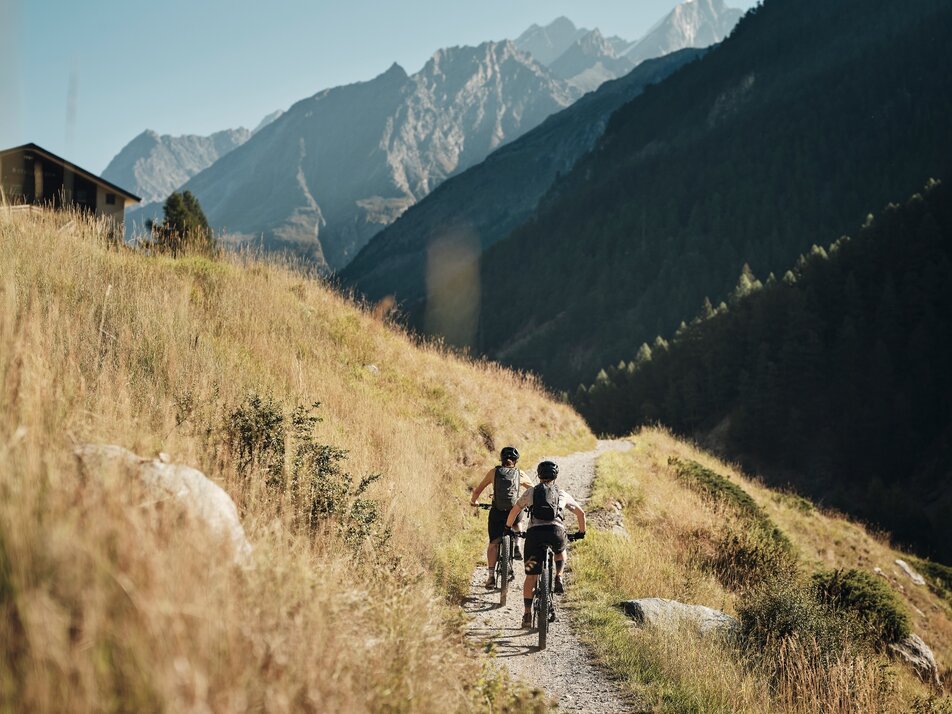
x,y
545,502
505,488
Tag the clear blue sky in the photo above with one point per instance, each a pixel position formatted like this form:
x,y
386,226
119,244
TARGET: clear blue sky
x,y
83,78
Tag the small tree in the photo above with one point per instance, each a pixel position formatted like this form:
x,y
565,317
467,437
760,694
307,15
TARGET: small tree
x,y
184,227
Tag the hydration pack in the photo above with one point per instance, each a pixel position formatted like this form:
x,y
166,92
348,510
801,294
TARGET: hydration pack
x,y
545,502
505,488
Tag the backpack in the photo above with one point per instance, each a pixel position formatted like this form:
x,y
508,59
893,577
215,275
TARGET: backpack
x,y
505,488
545,502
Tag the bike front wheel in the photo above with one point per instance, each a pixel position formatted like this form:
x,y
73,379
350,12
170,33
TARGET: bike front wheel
x,y
505,565
544,599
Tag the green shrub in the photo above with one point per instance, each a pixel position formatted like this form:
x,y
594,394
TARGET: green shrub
x,y
716,488
744,558
938,577
307,474
785,609
721,491
256,437
866,598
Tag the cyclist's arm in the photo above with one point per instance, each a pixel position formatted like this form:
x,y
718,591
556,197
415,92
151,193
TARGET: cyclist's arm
x,y
524,481
579,514
487,479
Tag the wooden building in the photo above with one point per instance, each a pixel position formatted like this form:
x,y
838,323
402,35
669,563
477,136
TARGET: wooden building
x,y
31,175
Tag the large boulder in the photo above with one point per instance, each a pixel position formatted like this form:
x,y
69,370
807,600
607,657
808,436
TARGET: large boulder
x,y
203,499
917,653
671,614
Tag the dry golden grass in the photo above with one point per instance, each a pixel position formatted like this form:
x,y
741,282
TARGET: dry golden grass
x,y
105,607
671,531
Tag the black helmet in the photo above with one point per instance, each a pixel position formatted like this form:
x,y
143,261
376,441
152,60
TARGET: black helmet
x,y
548,470
509,452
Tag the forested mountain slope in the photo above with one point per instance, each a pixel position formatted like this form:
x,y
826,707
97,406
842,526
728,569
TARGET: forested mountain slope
x,y
834,378
484,203
810,114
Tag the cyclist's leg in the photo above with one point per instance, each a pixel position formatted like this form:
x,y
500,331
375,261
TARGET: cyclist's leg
x,y
522,522
496,525
561,558
534,553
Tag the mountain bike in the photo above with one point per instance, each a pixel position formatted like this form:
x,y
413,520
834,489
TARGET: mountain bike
x,y
543,606
504,569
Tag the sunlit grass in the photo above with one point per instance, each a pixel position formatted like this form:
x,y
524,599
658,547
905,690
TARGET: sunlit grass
x,y
670,542
103,609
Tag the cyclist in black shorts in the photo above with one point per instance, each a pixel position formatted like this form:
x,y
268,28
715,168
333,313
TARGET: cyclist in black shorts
x,y
546,503
508,482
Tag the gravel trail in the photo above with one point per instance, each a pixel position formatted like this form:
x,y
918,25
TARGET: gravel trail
x,y
564,670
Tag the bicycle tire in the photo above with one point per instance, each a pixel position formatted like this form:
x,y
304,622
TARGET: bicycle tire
x,y
544,592
505,549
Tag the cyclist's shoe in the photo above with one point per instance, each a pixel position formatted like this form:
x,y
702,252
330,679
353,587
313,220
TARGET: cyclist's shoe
x,y
551,614
526,620
491,583
559,586
517,552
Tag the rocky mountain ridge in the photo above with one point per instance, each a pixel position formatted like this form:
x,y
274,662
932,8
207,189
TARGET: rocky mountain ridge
x,y
339,166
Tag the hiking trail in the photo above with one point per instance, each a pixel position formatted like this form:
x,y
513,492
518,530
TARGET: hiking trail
x,y
564,670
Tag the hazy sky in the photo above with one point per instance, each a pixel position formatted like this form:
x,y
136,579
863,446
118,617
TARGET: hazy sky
x,y
83,78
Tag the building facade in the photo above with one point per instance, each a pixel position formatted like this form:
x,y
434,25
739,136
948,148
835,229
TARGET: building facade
x,y
31,175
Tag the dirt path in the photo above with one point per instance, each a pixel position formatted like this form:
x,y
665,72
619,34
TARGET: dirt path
x,y
564,669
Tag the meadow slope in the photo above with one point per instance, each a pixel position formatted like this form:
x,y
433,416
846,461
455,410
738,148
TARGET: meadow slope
x,y
749,551
107,604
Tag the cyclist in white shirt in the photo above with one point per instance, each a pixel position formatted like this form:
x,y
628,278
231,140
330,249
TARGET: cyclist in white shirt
x,y
546,504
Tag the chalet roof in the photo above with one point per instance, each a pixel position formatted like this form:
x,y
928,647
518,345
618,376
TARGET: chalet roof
x,y
72,167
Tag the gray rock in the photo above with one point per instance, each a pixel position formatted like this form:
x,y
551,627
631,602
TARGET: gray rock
x,y
917,653
671,614
200,496
908,570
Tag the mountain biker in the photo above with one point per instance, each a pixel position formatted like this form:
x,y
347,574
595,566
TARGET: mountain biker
x,y
546,503
508,482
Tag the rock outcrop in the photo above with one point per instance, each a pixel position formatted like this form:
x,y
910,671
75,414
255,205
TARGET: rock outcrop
x,y
915,652
671,614
199,496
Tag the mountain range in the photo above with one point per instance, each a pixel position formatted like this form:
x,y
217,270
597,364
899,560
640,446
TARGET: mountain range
x,y
320,185
586,59
484,203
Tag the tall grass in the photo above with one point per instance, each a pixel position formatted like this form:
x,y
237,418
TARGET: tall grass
x,y
109,602
792,653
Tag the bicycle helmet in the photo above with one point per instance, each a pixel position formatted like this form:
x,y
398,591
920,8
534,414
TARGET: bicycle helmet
x,y
548,470
509,452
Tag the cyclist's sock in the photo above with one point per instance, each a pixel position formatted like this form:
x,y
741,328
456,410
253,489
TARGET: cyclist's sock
x,y
527,601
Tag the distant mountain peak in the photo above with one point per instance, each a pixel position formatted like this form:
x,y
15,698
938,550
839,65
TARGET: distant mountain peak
x,y
546,44
395,71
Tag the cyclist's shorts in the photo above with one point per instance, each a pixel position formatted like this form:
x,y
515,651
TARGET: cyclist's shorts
x,y
497,524
536,540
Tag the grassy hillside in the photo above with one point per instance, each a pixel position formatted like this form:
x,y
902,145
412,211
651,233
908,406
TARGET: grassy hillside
x,y
107,605
692,528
